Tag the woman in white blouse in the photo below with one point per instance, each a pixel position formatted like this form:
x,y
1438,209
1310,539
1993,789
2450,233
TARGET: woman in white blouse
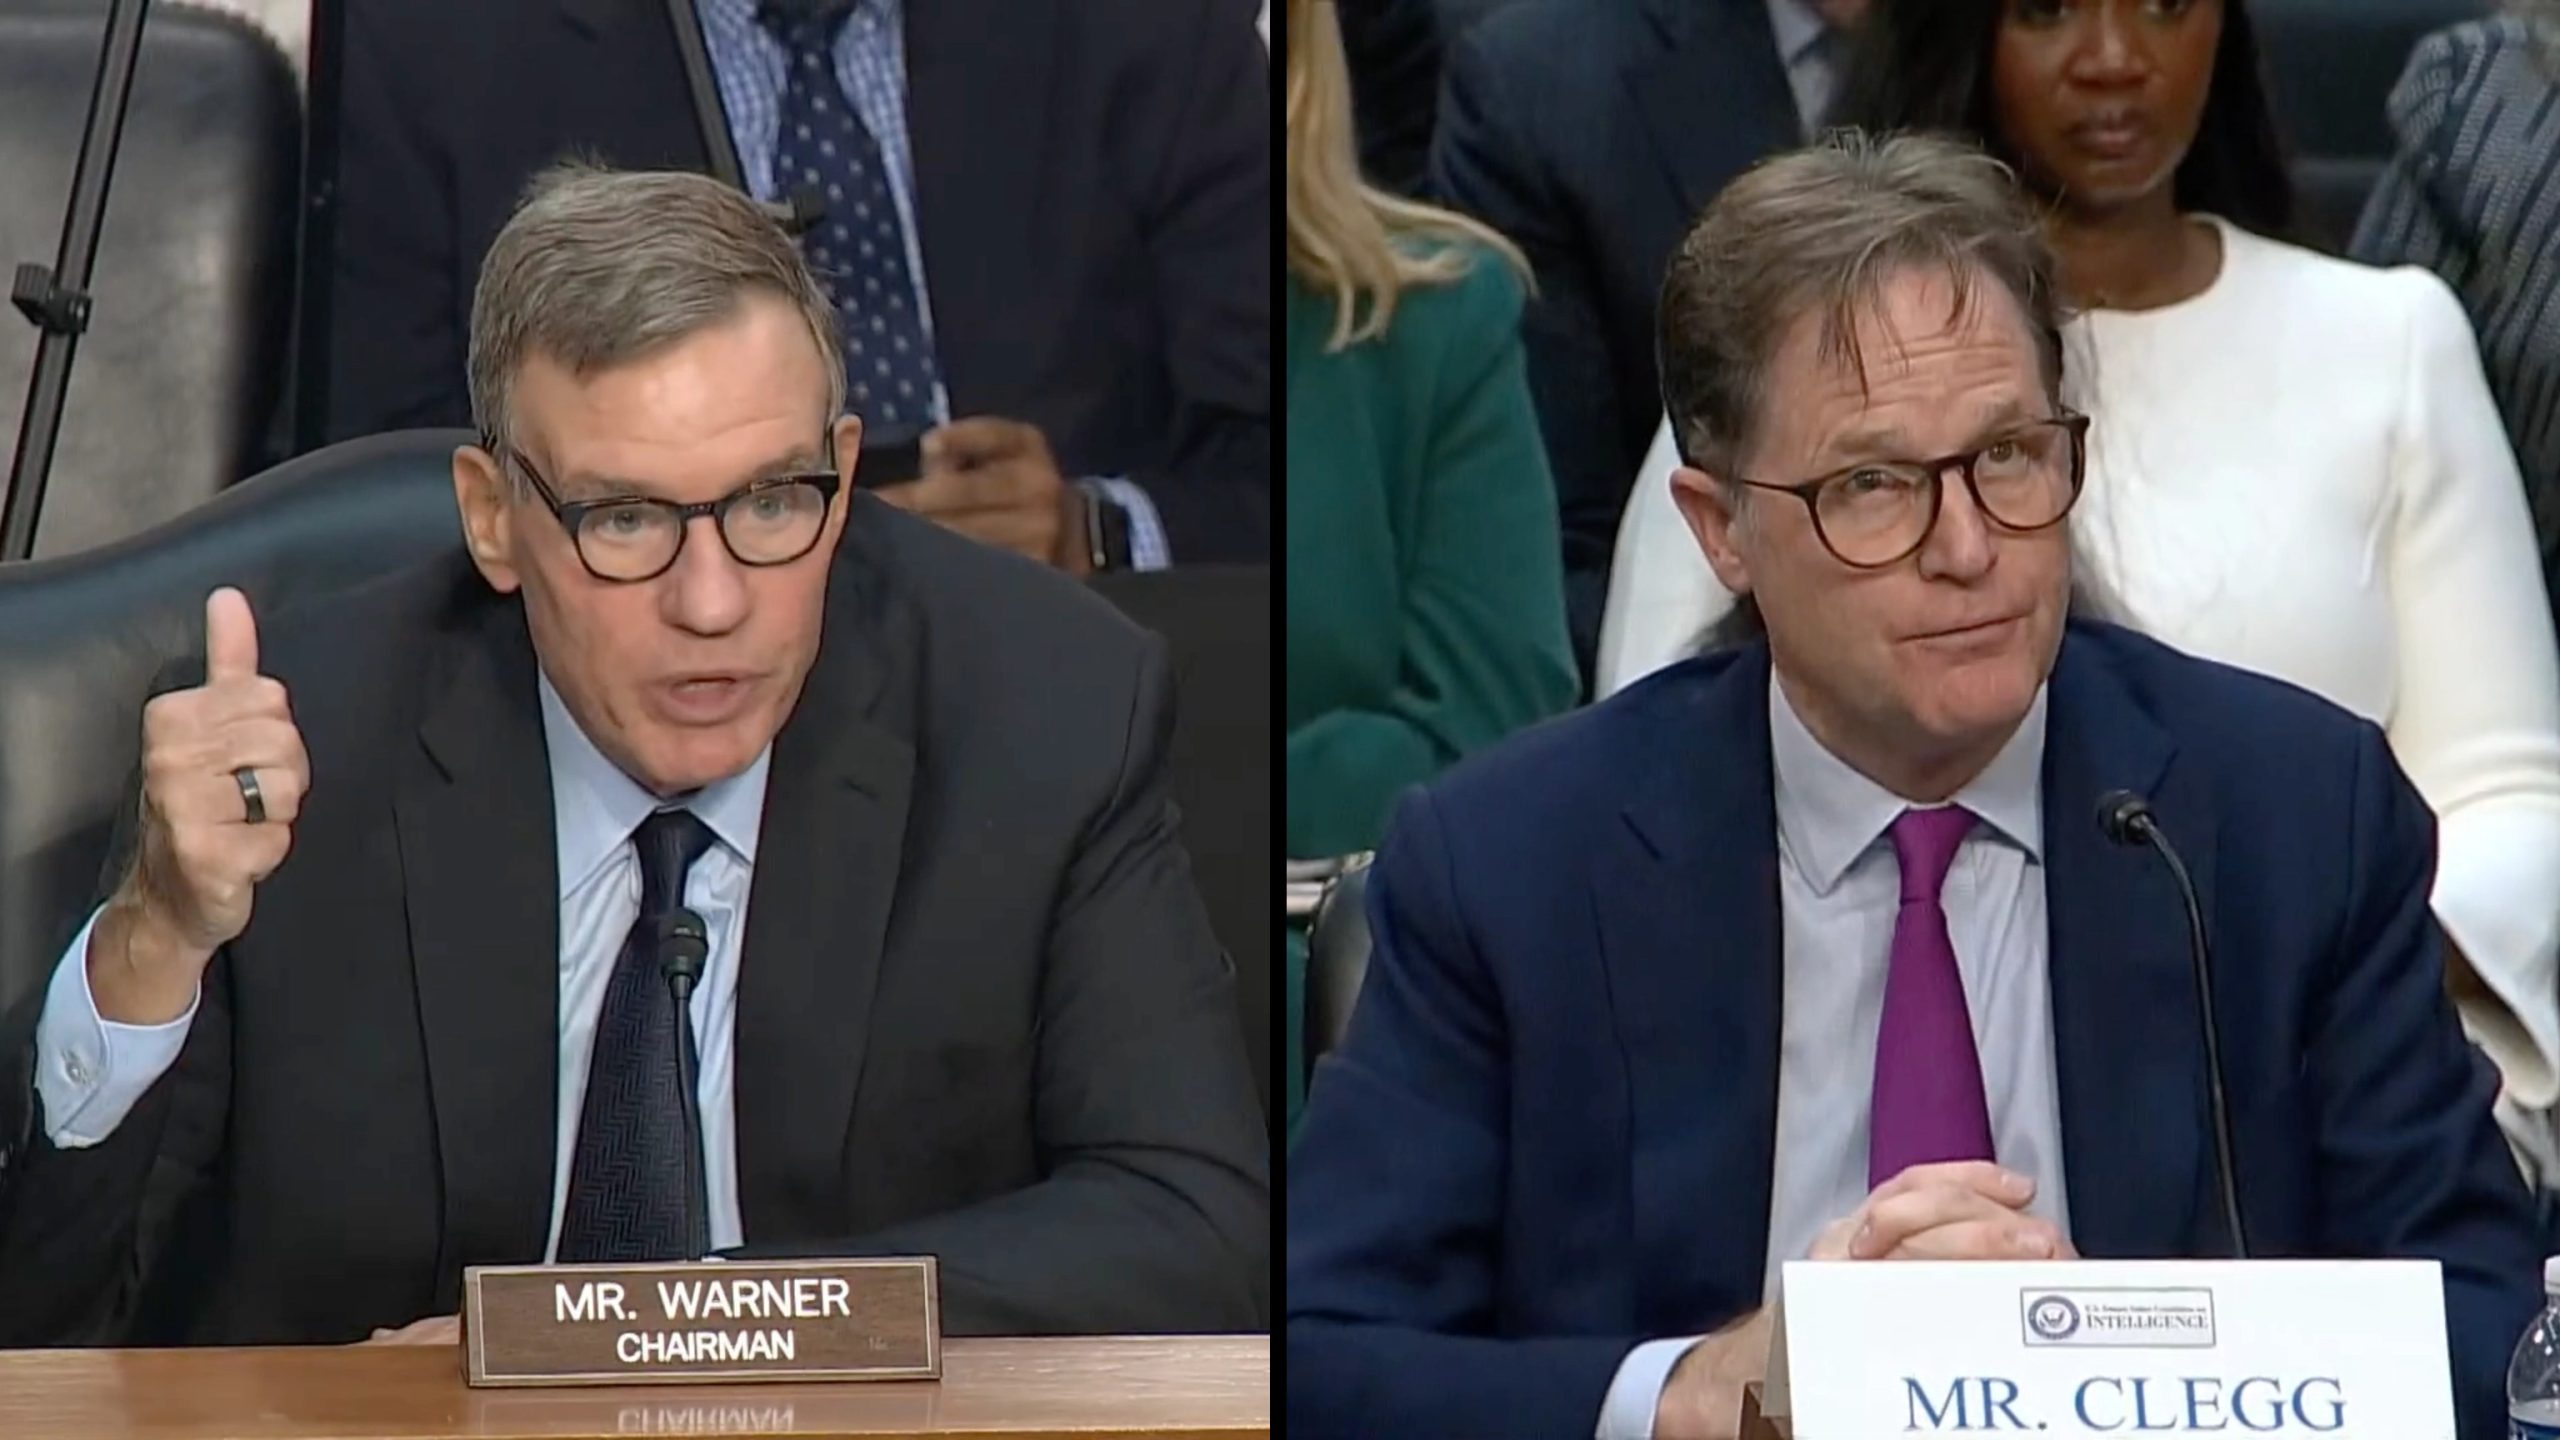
x,y
2296,465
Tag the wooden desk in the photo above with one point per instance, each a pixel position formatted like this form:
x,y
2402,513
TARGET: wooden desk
x,y
1174,1388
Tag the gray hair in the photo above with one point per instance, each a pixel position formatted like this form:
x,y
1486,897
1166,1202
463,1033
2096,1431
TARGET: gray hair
x,y
1819,230
600,267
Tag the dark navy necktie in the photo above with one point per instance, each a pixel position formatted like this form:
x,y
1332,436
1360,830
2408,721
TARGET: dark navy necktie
x,y
857,248
628,1173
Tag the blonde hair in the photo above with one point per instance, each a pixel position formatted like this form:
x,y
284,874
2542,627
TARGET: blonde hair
x,y
1358,245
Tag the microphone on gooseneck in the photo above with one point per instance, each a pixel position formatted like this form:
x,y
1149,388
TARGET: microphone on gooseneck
x,y
2126,818
684,946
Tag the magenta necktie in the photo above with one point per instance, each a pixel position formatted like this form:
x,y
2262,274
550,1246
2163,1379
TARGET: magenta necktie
x,y
1928,1105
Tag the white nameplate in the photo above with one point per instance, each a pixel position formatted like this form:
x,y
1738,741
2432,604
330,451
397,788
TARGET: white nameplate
x,y
2344,1350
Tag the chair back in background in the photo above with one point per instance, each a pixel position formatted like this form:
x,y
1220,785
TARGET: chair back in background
x,y
1337,960
2330,68
82,636
1216,624
177,379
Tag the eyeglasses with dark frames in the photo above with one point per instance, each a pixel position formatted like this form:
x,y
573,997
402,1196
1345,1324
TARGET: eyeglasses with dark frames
x,y
626,539
1880,513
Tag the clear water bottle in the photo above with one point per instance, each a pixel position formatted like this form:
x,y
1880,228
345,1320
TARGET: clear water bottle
x,y
2533,1376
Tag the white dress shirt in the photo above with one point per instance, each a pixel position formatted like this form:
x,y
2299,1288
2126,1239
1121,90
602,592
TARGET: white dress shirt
x,y
90,1073
1839,890
2301,472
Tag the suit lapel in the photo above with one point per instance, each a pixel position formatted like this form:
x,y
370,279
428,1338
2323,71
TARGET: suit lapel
x,y
1688,907
827,868
978,106
478,859
1715,98
617,88
590,78
2128,1057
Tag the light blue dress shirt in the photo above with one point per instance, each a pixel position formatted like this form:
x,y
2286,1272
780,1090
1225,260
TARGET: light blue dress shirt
x,y
90,1073
1839,889
752,69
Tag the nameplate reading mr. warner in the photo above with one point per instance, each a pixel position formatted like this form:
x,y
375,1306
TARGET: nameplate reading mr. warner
x,y
708,1321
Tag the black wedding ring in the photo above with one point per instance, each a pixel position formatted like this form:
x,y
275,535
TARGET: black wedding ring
x,y
247,779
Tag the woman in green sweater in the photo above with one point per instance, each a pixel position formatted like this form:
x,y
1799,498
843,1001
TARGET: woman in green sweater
x,y
1425,592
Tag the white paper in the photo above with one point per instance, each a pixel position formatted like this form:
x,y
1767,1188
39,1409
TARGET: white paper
x,y
2346,1350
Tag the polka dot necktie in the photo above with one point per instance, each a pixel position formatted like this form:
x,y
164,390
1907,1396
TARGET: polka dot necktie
x,y
856,246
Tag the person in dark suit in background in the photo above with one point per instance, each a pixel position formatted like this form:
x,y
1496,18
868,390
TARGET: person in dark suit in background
x,y
1046,222
1812,948
1459,16
1394,49
960,997
1590,135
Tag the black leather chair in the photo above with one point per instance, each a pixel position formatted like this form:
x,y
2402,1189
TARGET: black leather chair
x,y
1216,623
178,377
2330,67
1337,959
82,636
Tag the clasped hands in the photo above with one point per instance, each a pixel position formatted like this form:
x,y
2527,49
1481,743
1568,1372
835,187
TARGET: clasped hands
x,y
1970,1210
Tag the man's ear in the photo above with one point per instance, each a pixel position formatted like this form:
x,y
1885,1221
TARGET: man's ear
x,y
1708,504
846,436
480,492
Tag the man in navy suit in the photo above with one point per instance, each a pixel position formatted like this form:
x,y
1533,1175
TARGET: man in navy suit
x,y
1592,134
1726,972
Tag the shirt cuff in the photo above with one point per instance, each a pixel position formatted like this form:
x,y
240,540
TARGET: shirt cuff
x,y
1148,547
90,1071
1628,1412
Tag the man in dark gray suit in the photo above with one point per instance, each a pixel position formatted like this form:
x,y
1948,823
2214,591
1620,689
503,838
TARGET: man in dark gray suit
x,y
959,996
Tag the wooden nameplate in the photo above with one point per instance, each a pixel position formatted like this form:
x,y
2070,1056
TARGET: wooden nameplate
x,y
705,1321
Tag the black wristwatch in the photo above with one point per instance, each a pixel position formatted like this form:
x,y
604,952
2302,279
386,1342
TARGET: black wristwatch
x,y
1106,531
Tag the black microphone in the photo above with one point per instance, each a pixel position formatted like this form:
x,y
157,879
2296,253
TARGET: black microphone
x,y
684,944
800,211
2126,819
